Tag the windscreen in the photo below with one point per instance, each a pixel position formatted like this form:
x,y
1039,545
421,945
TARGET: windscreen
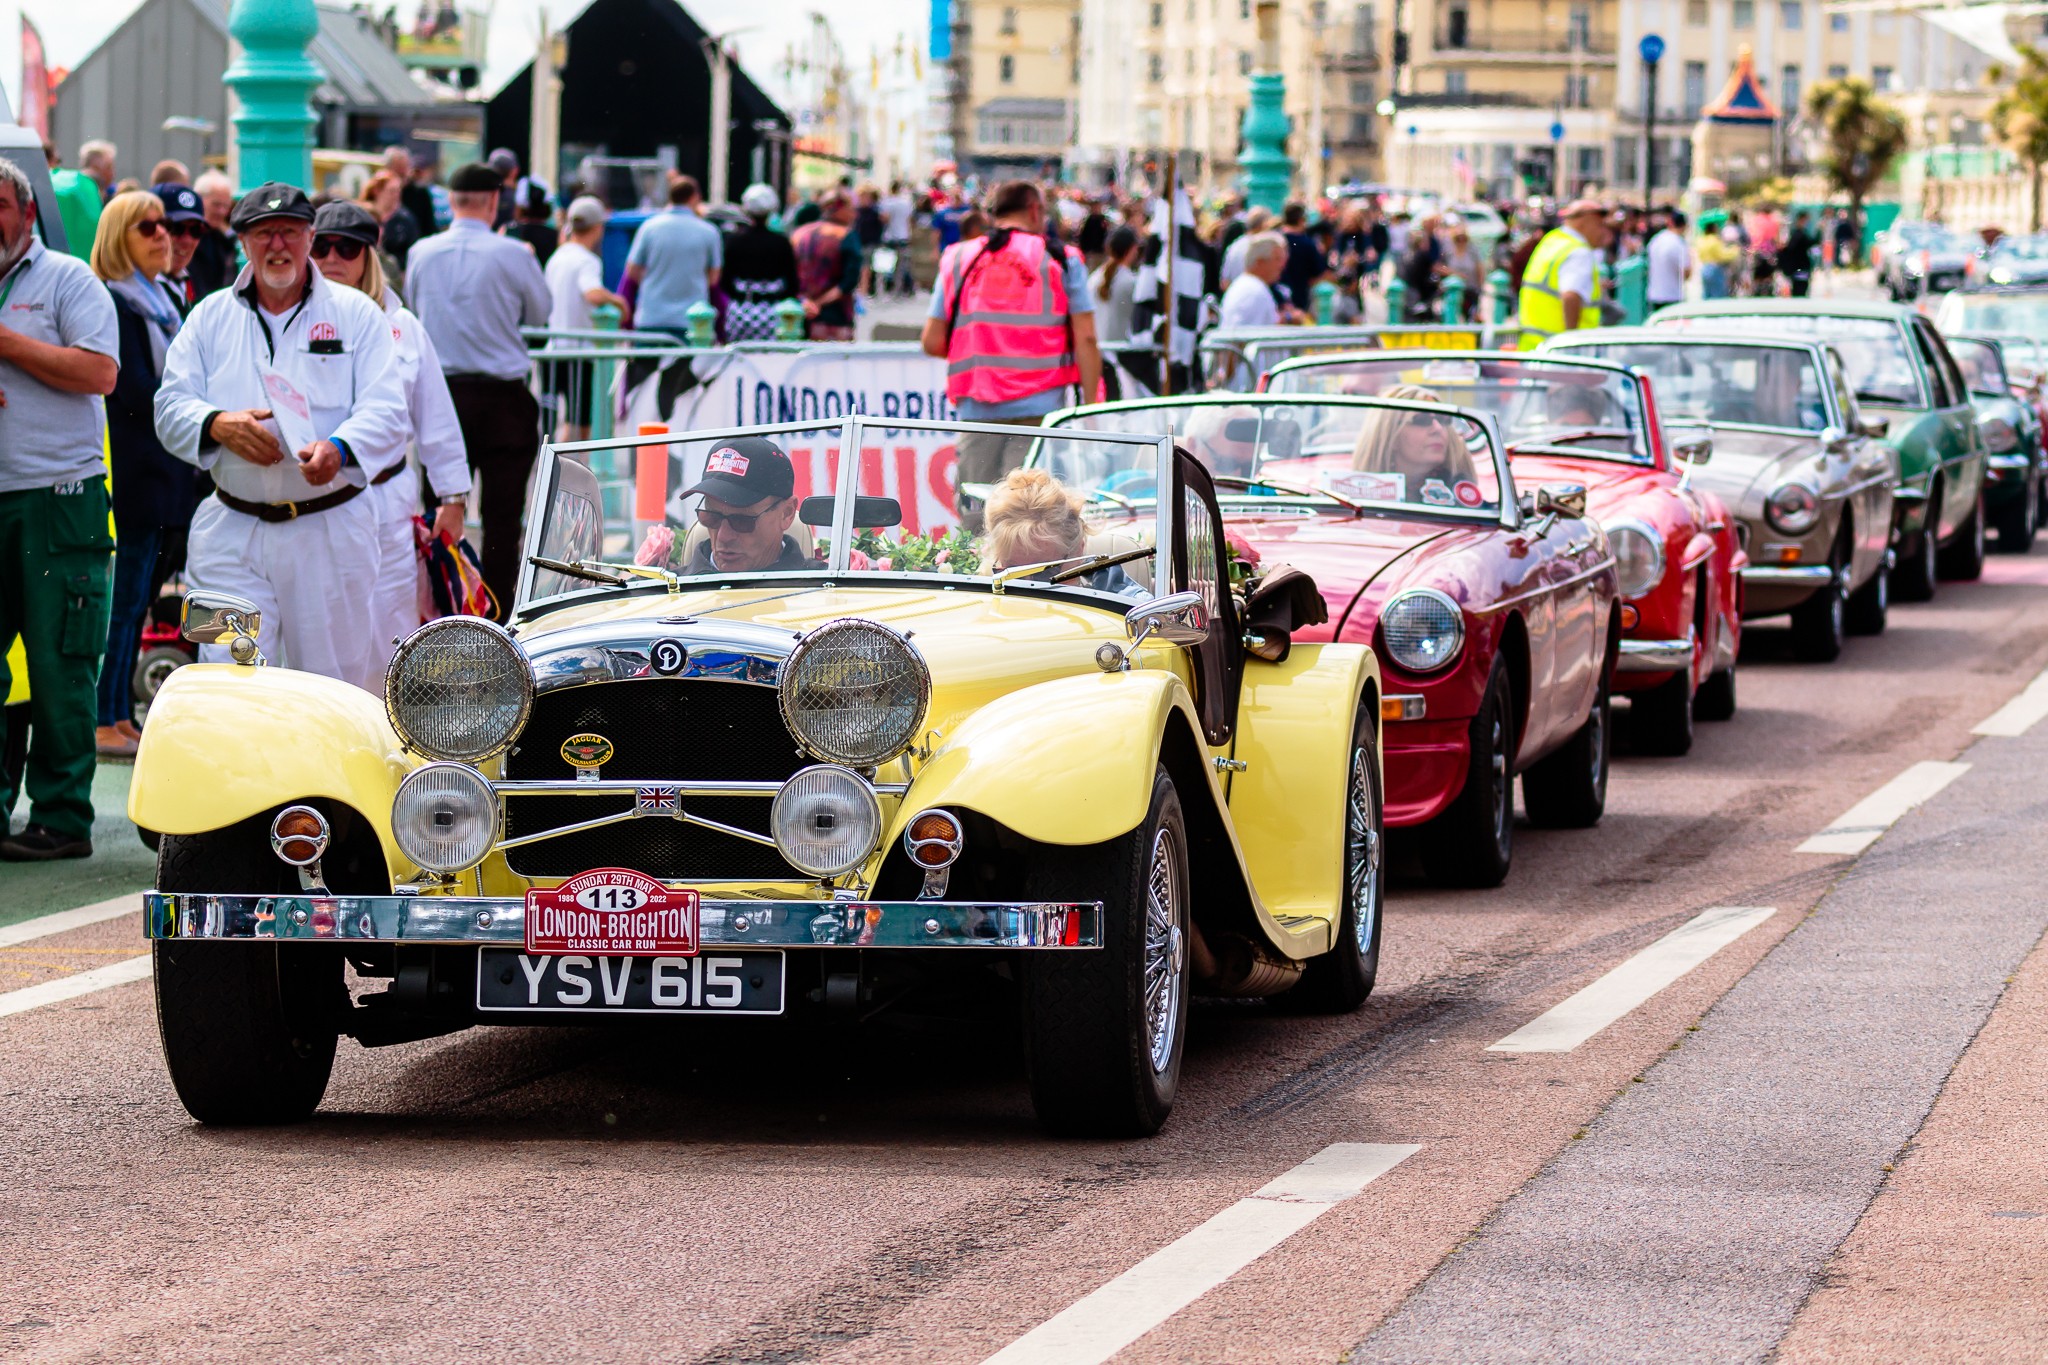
x,y
1875,351
1982,367
1546,406
1396,455
2025,313
1733,384
771,502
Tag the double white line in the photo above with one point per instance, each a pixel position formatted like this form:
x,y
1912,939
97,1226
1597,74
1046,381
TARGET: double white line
x,y
80,983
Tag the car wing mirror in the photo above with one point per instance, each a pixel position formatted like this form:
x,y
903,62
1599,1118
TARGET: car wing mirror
x,y
1837,442
1874,427
211,617
869,514
1180,618
1697,450
1561,500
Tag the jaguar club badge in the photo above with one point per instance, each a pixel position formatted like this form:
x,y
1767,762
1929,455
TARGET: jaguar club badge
x,y
587,752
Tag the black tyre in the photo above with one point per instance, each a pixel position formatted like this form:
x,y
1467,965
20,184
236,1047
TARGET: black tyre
x,y
248,1029
1822,620
152,668
2018,524
1715,699
1914,577
1473,842
1870,606
1340,980
1104,1030
1568,790
1660,719
1962,558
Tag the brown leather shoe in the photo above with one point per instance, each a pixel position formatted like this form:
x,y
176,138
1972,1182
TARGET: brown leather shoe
x,y
127,727
113,744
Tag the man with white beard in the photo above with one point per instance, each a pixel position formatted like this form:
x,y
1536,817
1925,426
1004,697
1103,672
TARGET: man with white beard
x,y
283,387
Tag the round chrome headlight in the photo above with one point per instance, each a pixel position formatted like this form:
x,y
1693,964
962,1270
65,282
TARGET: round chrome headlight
x,y
1638,556
1792,508
1423,630
459,688
826,820
1999,436
445,817
854,692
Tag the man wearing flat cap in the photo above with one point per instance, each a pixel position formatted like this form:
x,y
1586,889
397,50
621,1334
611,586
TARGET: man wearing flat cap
x,y
473,290
284,388
1561,288
749,504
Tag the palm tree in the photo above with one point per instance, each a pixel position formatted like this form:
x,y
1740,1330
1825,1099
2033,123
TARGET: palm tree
x,y
2020,118
1861,136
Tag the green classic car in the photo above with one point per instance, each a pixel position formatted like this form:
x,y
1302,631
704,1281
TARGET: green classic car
x,y
2016,477
1903,375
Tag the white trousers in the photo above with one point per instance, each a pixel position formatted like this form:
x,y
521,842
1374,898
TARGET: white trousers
x,y
398,561
314,578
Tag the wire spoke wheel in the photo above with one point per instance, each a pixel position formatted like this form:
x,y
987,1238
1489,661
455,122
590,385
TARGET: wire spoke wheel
x,y
1165,950
1362,852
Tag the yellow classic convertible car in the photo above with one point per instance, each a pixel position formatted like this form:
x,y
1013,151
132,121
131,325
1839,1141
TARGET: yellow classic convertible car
x,y
798,758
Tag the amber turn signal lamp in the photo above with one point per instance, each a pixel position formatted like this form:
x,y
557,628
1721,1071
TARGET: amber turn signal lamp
x,y
1629,616
299,835
933,839
1788,555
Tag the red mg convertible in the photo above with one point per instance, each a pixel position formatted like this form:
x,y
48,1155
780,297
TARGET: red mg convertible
x,y
1677,550
1495,615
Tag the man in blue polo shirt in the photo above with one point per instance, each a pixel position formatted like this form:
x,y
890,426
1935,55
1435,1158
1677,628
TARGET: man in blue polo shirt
x,y
674,261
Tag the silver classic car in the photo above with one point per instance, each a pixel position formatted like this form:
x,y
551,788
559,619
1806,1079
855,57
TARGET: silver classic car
x,y
1792,456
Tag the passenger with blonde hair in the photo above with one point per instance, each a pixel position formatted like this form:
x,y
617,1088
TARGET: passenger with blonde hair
x,y
1033,518
154,493
1423,447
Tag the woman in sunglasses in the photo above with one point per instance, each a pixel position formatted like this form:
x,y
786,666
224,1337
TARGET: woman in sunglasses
x,y
1422,447
345,251
155,493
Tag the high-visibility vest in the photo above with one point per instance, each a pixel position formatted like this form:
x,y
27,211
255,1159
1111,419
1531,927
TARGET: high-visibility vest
x,y
1011,334
1540,306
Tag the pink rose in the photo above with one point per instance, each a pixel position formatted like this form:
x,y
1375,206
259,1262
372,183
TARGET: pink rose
x,y
857,560
655,549
885,563
1241,548
943,558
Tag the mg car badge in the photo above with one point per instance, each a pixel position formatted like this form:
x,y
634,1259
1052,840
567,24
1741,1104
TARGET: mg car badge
x,y
587,752
667,657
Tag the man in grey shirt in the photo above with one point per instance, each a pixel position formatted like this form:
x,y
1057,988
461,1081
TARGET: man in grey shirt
x,y
473,290
674,261
59,343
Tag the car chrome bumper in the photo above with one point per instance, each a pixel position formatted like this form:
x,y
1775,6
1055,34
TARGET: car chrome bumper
x,y
1788,575
1653,656
501,921
2006,466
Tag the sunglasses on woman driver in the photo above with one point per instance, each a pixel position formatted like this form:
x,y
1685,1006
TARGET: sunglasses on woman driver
x,y
150,227
348,248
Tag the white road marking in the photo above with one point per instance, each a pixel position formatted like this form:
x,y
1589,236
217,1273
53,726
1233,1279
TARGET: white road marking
x,y
71,987
1566,1025
42,926
1103,1323
2017,716
1858,827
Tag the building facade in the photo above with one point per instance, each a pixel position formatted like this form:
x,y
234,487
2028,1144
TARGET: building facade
x,y
1011,73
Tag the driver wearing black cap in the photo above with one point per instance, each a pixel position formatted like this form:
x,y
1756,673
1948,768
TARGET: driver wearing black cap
x,y
749,492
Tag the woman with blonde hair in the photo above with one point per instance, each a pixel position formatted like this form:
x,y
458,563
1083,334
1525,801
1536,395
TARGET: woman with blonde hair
x,y
1423,447
1033,518
345,251
155,493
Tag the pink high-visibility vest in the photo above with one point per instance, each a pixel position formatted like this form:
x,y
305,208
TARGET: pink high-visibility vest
x,y
1011,333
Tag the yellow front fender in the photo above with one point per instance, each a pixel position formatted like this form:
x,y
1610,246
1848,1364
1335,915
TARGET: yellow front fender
x,y
1064,762
225,742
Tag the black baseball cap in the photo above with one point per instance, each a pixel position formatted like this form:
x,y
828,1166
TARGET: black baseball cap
x,y
181,204
476,178
744,470
340,218
272,199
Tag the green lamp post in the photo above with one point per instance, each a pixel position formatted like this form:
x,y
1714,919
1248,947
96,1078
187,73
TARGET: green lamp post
x,y
1268,171
273,80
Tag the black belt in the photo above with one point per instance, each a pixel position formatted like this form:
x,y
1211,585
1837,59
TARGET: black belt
x,y
470,377
287,511
388,475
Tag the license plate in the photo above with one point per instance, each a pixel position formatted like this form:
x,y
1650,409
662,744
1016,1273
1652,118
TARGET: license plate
x,y
612,910
582,983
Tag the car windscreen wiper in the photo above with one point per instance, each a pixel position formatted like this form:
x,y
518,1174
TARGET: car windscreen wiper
x,y
1103,562
1295,489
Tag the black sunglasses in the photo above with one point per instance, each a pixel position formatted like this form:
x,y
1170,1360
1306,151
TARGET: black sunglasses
x,y
187,228
345,247
742,522
150,227
1424,419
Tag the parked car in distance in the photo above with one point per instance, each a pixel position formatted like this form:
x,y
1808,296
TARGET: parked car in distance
x,y
1927,260
2013,261
2021,309
1795,458
1900,372
1495,614
1677,550
885,763
2015,477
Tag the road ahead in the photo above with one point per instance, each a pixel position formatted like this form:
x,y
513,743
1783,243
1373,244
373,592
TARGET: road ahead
x,y
1797,1109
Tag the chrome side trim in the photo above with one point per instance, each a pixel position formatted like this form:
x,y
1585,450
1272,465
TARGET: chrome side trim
x,y
501,921
1789,575
1654,656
